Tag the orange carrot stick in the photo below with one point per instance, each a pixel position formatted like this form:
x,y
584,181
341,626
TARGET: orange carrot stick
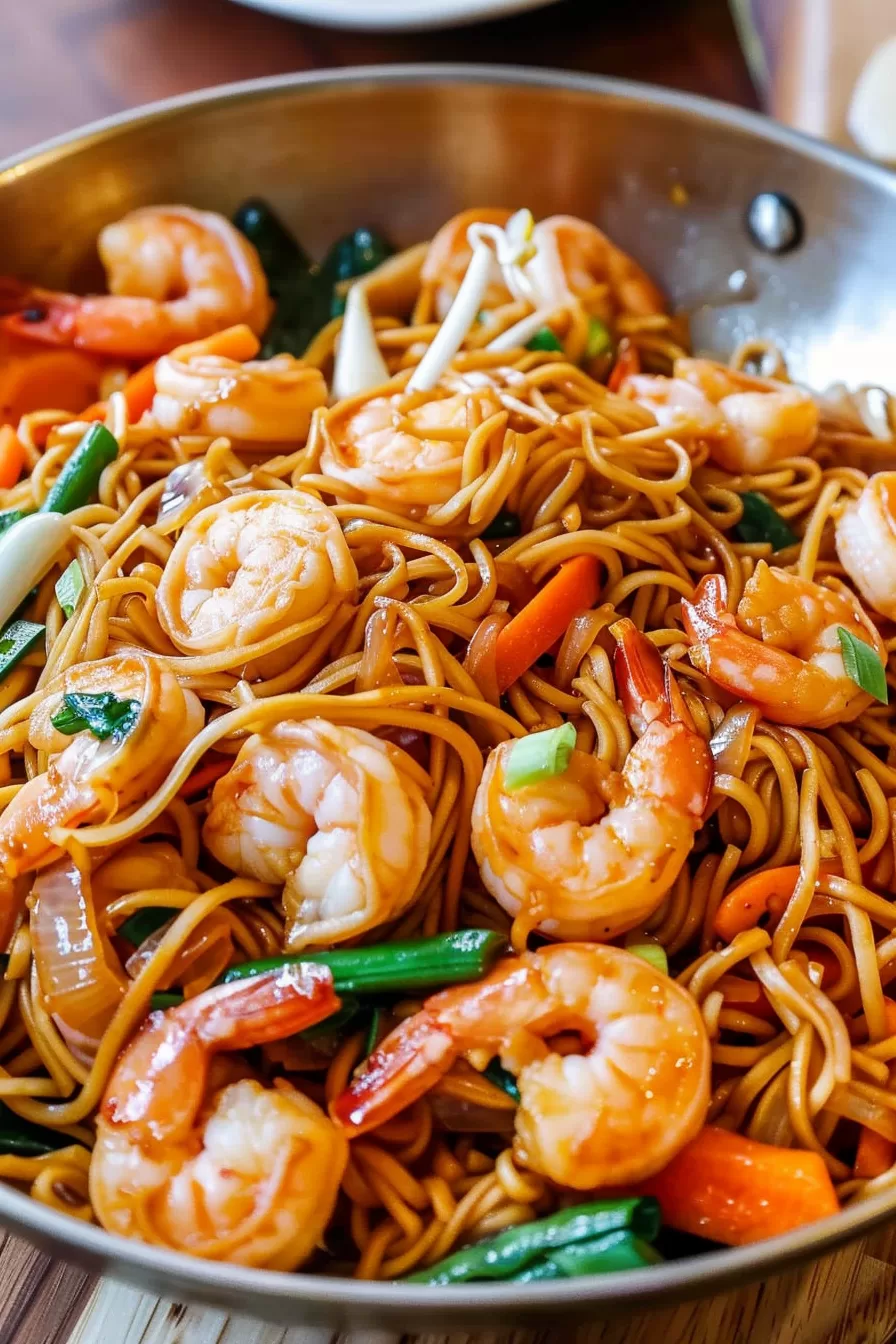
x,y
734,1190
574,588
207,774
628,361
12,457
763,893
59,380
239,343
875,1153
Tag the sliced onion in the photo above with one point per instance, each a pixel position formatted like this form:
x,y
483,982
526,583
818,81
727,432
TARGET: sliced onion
x,y
481,659
580,635
187,491
80,976
731,742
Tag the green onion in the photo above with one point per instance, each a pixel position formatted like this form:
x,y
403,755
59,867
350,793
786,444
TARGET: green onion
x,y
504,1256
862,665
422,963
544,340
604,1255
163,999
16,640
599,341
9,517
539,756
504,524
497,1074
103,713
25,1139
761,522
69,587
144,923
648,950
79,479
374,1032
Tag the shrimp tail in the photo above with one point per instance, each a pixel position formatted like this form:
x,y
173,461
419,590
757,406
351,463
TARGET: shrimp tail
x,y
408,1063
707,616
266,1008
646,686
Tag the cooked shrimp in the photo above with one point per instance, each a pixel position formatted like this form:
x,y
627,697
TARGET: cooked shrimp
x,y
174,275
781,650
335,814
593,852
866,542
404,452
617,1112
446,262
253,568
573,256
88,779
264,401
244,1173
749,423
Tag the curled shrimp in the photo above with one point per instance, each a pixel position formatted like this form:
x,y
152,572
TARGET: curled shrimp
x,y
616,1112
88,779
591,851
404,451
336,815
260,401
174,274
748,423
243,1173
866,542
572,257
781,649
256,569
448,257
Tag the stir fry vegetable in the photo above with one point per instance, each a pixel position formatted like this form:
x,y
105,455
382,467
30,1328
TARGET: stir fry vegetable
x,y
103,713
16,640
762,522
79,479
544,620
25,1139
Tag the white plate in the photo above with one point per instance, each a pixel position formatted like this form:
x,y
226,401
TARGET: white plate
x,y
404,14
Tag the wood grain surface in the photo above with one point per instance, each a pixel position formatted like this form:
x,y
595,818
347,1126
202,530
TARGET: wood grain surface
x,y
65,62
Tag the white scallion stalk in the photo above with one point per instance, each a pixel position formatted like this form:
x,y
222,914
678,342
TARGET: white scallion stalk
x,y
523,331
460,317
26,553
359,364
545,272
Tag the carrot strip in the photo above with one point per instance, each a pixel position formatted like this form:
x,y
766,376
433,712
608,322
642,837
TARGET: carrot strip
x,y
239,343
735,1190
63,380
574,588
628,361
12,457
763,893
875,1153
207,774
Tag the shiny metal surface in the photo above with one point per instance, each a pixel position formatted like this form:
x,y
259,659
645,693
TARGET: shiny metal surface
x,y
403,148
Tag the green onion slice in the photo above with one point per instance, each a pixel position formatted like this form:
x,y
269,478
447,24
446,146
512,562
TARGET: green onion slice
x,y
17,639
762,522
9,517
69,587
79,480
544,340
599,341
103,714
862,665
539,756
651,952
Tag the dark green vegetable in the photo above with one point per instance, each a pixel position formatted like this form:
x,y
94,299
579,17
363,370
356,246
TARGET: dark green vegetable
x,y
504,524
79,479
353,255
374,1032
165,999
544,340
862,665
103,713
16,639
142,925
506,1255
762,522
599,341
604,1255
421,963
25,1139
498,1075
9,517
336,1023
280,254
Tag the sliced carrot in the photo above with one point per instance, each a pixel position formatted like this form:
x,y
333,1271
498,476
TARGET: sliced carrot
x,y
734,1190
238,342
746,994
628,361
574,588
205,776
875,1153
763,893
59,380
12,457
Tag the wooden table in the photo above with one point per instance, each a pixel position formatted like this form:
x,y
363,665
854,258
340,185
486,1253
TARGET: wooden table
x,y
64,62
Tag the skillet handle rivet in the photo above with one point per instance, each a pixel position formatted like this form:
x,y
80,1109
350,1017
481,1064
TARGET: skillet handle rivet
x,y
774,223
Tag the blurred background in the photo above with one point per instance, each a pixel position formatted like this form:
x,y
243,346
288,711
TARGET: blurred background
x,y
66,62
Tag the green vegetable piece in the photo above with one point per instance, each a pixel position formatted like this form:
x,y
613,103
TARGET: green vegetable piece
x,y
9,517
16,640
497,1074
279,253
544,340
374,1032
103,713
163,999
762,522
356,254
69,587
144,923
510,1252
599,340
604,1255
654,953
504,524
421,963
539,756
79,479
25,1139
862,665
